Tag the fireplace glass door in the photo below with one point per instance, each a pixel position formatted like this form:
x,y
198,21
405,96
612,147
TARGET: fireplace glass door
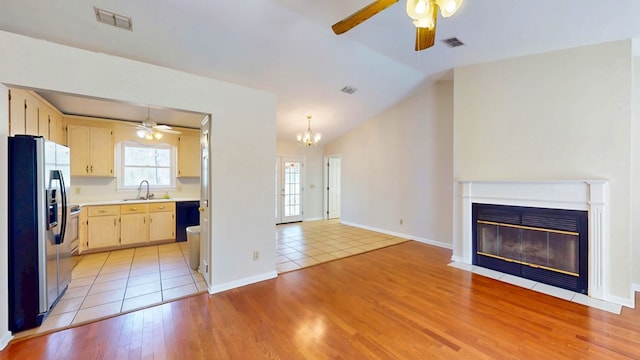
x,y
536,247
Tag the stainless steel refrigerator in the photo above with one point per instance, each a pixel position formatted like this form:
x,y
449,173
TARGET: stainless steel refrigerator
x,y
39,257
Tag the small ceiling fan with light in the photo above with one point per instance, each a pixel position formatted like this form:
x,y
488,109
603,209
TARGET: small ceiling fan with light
x,y
149,129
423,12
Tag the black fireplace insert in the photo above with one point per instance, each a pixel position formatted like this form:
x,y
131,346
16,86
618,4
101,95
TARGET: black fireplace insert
x,y
540,244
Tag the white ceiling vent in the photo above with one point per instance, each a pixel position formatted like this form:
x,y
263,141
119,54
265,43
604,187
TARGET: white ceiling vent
x,y
452,42
113,19
349,90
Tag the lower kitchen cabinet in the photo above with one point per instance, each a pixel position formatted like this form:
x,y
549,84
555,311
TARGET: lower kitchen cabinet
x,y
134,227
162,221
103,227
113,226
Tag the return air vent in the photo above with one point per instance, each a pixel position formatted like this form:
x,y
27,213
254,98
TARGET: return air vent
x,y
452,42
349,90
113,19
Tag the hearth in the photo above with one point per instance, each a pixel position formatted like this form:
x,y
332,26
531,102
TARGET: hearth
x,y
544,245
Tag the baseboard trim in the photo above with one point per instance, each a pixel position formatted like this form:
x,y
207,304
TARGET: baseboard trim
x,y
405,236
457,259
4,340
620,300
313,219
242,282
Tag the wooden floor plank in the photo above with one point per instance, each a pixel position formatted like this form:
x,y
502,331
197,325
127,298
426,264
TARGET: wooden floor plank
x,y
400,302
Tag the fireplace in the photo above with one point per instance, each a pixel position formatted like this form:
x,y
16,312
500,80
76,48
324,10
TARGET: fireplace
x,y
540,244
590,196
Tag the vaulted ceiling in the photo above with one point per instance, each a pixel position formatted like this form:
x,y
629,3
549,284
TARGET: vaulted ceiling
x,y
287,47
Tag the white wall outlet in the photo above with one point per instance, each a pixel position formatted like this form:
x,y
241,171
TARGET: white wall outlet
x,y
256,255
401,221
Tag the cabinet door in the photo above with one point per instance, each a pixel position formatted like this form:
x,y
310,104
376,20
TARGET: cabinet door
x,y
83,244
189,155
103,231
78,141
31,117
161,225
101,149
44,118
133,228
16,112
56,129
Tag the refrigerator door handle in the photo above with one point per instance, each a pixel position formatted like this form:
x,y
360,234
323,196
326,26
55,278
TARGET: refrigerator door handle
x,y
57,175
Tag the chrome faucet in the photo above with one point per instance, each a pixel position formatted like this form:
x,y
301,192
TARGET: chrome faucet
x,y
140,189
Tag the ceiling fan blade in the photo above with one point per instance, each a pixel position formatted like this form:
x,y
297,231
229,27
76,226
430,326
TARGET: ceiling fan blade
x,y
162,127
426,37
361,15
169,131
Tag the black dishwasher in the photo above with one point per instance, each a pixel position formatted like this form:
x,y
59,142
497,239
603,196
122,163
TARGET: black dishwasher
x,y
187,214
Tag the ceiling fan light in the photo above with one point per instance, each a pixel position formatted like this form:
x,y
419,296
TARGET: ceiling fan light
x,y
423,23
157,135
141,133
148,136
418,9
448,7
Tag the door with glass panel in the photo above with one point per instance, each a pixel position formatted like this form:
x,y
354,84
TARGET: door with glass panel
x,y
289,189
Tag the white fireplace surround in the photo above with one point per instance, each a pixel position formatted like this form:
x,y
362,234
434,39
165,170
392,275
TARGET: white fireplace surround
x,y
587,195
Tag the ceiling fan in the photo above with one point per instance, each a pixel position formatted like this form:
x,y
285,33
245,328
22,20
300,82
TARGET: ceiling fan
x,y
423,12
149,129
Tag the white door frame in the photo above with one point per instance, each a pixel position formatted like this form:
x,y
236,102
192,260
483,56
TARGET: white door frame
x,y
205,199
325,192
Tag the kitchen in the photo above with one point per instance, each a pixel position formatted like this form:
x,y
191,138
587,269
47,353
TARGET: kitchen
x,y
114,220
242,143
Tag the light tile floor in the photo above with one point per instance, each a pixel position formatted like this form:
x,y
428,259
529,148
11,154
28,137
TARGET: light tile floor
x,y
304,244
109,283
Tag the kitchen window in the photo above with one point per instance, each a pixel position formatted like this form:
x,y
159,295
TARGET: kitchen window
x,y
154,163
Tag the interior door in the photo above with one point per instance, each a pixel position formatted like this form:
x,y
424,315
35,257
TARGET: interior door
x,y
334,170
289,189
205,237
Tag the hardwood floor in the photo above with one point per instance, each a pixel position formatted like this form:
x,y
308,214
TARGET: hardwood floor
x,y
400,302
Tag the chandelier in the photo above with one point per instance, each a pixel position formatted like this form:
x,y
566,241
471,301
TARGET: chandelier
x,y
309,138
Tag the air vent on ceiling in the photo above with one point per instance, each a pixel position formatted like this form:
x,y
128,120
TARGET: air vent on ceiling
x,y
452,42
113,19
349,90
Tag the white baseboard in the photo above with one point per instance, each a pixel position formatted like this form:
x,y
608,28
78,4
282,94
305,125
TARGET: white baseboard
x,y
620,300
4,339
242,282
405,236
457,259
313,219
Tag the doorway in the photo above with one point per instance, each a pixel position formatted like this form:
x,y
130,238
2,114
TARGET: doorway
x,y
288,190
333,194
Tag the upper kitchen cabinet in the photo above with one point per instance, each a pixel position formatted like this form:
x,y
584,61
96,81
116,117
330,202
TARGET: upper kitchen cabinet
x,y
91,150
30,114
17,112
189,154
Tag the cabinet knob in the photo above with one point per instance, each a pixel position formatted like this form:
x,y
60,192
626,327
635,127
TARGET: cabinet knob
x,y
133,209
201,209
87,170
92,168
102,211
160,207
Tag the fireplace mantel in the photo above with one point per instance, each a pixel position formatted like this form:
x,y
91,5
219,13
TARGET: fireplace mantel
x,y
588,195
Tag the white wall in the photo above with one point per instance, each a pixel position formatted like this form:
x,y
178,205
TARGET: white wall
x,y
399,166
242,143
559,115
312,178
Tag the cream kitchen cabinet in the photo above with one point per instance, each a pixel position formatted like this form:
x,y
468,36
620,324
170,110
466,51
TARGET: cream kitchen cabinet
x,y
162,221
103,226
32,115
189,155
134,226
91,150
